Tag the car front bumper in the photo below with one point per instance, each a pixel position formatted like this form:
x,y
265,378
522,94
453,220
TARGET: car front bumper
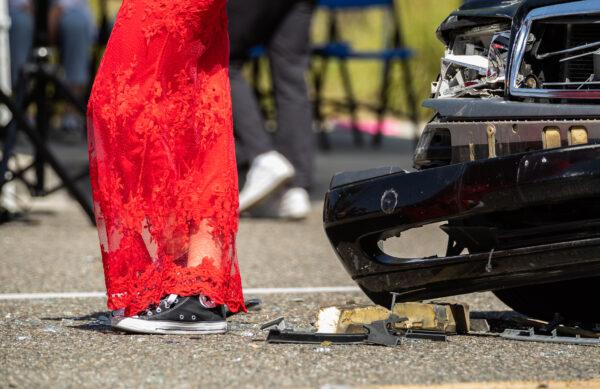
x,y
365,207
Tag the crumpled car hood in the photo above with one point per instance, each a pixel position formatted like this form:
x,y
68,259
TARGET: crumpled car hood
x,y
489,8
477,12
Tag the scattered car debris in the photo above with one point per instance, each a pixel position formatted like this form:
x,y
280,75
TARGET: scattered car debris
x,y
441,317
479,327
372,324
380,332
512,320
280,332
426,335
530,335
278,324
297,337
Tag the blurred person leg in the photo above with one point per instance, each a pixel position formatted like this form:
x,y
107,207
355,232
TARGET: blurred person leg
x,y
76,33
283,26
20,36
289,56
269,170
73,29
246,115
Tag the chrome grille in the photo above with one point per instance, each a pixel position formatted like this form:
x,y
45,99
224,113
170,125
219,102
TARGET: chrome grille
x,y
579,69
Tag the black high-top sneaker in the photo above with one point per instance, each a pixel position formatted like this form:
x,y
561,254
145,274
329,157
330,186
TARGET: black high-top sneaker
x,y
176,315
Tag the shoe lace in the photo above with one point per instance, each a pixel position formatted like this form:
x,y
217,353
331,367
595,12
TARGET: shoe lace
x,y
166,302
170,300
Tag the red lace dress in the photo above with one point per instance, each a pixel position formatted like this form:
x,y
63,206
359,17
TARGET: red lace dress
x,y
162,157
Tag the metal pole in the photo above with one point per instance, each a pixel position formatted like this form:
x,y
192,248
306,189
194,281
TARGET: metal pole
x,y
42,118
5,81
8,192
53,162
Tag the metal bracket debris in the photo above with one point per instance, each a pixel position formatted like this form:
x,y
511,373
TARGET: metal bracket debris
x,y
381,332
277,324
530,335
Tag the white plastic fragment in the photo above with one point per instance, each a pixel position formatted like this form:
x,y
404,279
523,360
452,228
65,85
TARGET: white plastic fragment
x,y
328,320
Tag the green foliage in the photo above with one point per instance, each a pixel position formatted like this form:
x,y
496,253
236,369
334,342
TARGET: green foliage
x,y
368,29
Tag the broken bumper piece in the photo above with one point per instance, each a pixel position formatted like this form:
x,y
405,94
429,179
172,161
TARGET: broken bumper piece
x,y
361,209
379,332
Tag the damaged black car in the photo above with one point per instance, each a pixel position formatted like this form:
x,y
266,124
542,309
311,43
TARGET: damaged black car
x,y
509,163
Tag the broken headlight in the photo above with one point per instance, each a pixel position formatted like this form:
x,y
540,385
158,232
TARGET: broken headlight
x,y
475,64
497,57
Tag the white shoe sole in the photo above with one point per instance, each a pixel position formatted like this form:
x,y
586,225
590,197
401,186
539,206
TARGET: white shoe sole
x,y
265,192
294,215
141,326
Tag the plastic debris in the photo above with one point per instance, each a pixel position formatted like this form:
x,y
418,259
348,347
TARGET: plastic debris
x,y
51,329
67,322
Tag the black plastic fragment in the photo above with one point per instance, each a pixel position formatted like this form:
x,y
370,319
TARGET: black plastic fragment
x,y
251,305
287,336
436,336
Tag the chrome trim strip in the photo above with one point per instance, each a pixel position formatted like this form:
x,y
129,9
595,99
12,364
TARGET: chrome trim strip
x,y
573,83
569,50
582,7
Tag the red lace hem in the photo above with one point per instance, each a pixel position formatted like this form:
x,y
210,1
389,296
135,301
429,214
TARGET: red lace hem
x,y
153,285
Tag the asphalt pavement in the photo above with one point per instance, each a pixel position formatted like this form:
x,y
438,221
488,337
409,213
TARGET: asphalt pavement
x,y
66,343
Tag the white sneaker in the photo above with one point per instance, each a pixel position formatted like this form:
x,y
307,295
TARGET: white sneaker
x,y
268,172
290,204
295,204
177,315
